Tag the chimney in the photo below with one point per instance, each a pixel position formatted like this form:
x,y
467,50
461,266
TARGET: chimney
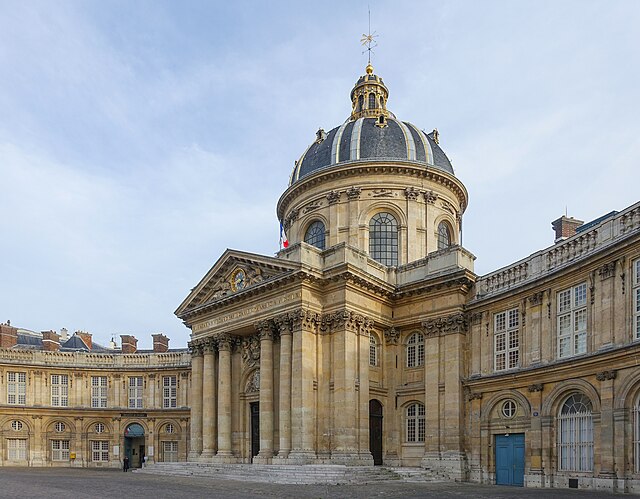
x,y
8,335
129,343
565,227
50,341
160,343
64,334
86,337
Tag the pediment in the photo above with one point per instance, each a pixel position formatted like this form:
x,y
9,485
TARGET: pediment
x,y
234,272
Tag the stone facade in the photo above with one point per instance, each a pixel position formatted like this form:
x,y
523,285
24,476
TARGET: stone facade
x,y
356,347
81,408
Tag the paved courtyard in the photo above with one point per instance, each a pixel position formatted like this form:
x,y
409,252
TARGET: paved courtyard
x,y
92,483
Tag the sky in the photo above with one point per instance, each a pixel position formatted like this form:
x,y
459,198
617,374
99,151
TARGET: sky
x,y
139,140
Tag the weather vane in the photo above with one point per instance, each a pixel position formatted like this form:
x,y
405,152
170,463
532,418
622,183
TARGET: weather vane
x,y
368,40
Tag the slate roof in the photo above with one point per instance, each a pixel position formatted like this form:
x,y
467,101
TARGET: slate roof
x,y
363,139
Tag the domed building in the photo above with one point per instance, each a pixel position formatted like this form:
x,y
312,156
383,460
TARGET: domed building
x,y
319,355
370,339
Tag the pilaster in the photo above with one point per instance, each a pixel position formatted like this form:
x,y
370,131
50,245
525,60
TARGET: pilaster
x,y
197,361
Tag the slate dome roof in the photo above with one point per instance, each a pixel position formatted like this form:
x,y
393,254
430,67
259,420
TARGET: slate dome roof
x,y
371,133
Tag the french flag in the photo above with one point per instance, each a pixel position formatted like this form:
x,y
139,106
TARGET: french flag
x,y
283,237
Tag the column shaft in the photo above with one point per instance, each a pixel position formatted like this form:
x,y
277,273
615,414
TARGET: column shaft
x,y
285,393
196,402
208,402
224,398
266,393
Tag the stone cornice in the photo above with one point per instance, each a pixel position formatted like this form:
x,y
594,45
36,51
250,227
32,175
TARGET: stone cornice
x,y
361,168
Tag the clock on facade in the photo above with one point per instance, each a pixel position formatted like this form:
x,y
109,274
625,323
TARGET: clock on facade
x,y
238,280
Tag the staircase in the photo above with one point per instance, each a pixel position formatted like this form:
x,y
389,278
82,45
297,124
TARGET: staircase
x,y
291,474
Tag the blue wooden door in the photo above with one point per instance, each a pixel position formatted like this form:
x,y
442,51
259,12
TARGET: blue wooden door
x,y
510,459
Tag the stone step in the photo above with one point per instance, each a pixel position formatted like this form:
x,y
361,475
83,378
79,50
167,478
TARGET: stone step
x,y
292,474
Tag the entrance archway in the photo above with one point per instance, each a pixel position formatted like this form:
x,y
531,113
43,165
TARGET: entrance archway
x,y
375,430
134,444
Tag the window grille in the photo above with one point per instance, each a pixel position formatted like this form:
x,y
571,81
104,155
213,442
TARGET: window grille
x,y
135,392
373,350
572,321
415,350
170,452
575,434
98,391
99,427
60,450
100,450
506,352
315,235
383,239
16,388
59,390
415,422
169,391
444,235
372,100
17,449
60,427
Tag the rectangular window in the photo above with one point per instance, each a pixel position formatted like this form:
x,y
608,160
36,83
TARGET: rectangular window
x,y
98,391
16,388
59,390
169,391
572,321
135,392
100,450
59,450
506,334
170,452
17,449
636,298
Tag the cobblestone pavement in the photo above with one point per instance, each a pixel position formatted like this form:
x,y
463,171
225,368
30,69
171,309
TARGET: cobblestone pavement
x,y
80,483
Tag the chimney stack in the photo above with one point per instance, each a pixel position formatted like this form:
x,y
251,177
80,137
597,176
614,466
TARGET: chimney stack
x,y
129,343
160,343
8,335
86,337
565,227
50,341
64,334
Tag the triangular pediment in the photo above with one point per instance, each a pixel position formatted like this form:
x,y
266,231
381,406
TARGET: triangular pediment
x,y
234,272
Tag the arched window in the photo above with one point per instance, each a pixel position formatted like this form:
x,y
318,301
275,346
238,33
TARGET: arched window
x,y
383,239
315,235
575,434
415,350
444,235
382,102
373,350
415,422
372,100
360,102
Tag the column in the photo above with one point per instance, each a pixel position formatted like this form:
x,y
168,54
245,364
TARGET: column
x,y
266,392
362,390
303,417
196,400
285,389
535,477
208,399
224,397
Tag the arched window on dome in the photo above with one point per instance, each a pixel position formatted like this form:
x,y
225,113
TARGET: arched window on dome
x,y
360,102
575,434
315,235
444,235
383,239
382,102
372,100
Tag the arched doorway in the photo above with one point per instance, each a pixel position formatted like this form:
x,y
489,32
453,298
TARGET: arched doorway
x,y
375,430
255,428
134,444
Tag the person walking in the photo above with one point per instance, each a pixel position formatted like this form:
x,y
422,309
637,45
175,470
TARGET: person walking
x,y
125,464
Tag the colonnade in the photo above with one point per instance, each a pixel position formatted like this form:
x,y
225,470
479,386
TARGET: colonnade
x,y
291,433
